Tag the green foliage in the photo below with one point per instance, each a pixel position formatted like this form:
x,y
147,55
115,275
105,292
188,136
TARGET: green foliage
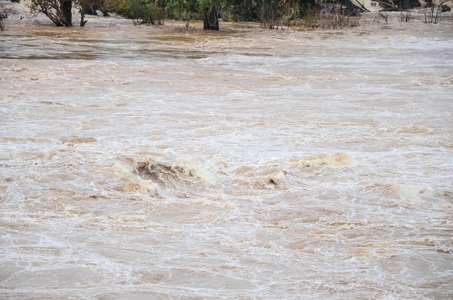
x,y
142,11
182,9
270,13
151,11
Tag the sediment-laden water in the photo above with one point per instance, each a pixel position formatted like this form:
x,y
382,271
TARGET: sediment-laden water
x,y
156,162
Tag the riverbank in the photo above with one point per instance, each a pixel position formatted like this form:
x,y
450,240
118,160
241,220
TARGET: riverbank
x,y
19,14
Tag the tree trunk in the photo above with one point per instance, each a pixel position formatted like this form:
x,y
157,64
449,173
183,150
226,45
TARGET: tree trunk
x,y
211,19
82,17
66,7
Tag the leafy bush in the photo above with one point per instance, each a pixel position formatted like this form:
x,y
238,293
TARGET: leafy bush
x,y
141,11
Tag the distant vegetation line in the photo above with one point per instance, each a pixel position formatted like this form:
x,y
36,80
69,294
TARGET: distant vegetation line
x,y
270,13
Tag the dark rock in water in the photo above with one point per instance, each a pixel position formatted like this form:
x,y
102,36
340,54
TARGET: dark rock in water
x,y
211,19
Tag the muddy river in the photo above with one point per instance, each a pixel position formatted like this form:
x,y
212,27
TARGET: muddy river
x,y
141,162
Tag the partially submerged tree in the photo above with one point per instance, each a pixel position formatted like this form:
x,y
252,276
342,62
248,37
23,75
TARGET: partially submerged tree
x,y
90,7
58,11
211,18
433,11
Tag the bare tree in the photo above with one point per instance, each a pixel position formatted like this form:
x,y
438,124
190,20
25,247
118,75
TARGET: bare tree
x,y
87,6
384,15
405,15
433,11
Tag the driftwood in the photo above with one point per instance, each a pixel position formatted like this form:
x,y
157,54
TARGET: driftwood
x,y
211,19
2,16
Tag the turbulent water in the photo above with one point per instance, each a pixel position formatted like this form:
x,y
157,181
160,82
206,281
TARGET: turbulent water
x,y
157,162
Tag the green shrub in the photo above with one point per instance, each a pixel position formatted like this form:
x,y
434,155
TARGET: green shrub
x,y
141,11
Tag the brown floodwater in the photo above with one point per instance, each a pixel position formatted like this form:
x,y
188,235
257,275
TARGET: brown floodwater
x,y
141,162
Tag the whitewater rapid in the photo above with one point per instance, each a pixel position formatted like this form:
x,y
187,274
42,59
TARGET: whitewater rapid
x,y
158,162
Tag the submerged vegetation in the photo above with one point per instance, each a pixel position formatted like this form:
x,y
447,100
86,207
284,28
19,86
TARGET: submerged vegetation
x,y
270,13
274,14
